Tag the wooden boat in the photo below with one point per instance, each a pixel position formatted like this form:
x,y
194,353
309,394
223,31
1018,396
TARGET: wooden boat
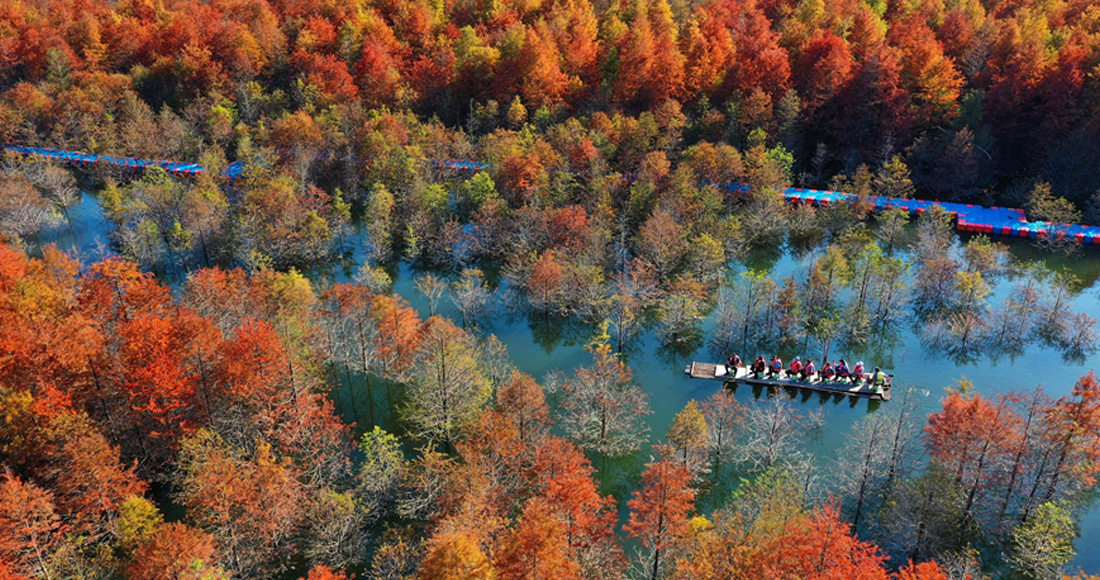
x,y
719,372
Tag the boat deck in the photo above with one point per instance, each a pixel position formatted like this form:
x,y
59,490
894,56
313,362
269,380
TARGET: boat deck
x,y
718,372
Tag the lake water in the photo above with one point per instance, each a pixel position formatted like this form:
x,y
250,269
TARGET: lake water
x,y
538,347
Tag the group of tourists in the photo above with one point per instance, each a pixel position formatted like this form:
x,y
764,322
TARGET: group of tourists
x,y
808,371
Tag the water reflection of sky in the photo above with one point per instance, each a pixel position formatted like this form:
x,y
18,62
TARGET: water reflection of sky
x,y
540,346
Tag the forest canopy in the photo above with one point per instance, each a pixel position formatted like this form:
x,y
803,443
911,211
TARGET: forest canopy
x,y
980,99
170,407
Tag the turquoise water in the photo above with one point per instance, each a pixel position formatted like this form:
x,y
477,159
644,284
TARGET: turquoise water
x,y
539,346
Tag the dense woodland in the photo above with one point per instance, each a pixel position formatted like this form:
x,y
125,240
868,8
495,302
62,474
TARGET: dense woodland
x,y
979,98
150,431
626,112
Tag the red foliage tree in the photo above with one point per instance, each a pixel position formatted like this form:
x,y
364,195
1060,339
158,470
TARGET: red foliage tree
x,y
564,477
29,526
175,551
327,75
250,505
1073,426
538,548
922,571
522,401
113,291
544,82
252,367
87,478
378,71
928,75
651,68
660,507
569,227
159,386
575,29
456,556
823,69
821,546
968,438
544,286
323,572
760,60
399,330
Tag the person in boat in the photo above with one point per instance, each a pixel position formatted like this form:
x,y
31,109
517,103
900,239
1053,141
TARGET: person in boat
x,y
732,364
809,370
795,369
758,367
857,372
842,372
827,372
878,379
775,367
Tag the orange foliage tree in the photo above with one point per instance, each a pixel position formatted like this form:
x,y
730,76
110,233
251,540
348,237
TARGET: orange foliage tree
x,y
659,509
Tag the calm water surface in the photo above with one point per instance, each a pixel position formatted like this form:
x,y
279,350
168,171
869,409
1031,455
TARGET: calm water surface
x,y
538,347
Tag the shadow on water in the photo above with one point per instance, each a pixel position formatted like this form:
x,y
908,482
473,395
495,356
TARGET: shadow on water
x,y
673,355
764,259
551,332
367,401
619,475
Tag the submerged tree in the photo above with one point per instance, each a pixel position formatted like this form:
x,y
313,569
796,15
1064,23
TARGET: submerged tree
x,y
741,310
1043,545
602,410
689,438
450,386
470,295
773,435
864,463
679,314
1044,206
723,416
970,438
433,288
24,212
659,510
892,223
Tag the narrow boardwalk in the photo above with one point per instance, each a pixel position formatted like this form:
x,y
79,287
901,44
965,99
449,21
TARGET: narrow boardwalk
x,y
1002,221
717,372
176,168
969,218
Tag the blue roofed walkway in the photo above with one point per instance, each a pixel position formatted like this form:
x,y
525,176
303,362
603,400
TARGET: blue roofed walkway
x,y
1003,221
91,160
969,218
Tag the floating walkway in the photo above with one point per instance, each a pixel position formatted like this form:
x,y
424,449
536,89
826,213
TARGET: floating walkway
x,y
460,165
968,217
718,372
1001,221
179,169
81,159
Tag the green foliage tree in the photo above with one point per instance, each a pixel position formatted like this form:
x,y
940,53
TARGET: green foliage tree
x,y
1043,545
445,395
